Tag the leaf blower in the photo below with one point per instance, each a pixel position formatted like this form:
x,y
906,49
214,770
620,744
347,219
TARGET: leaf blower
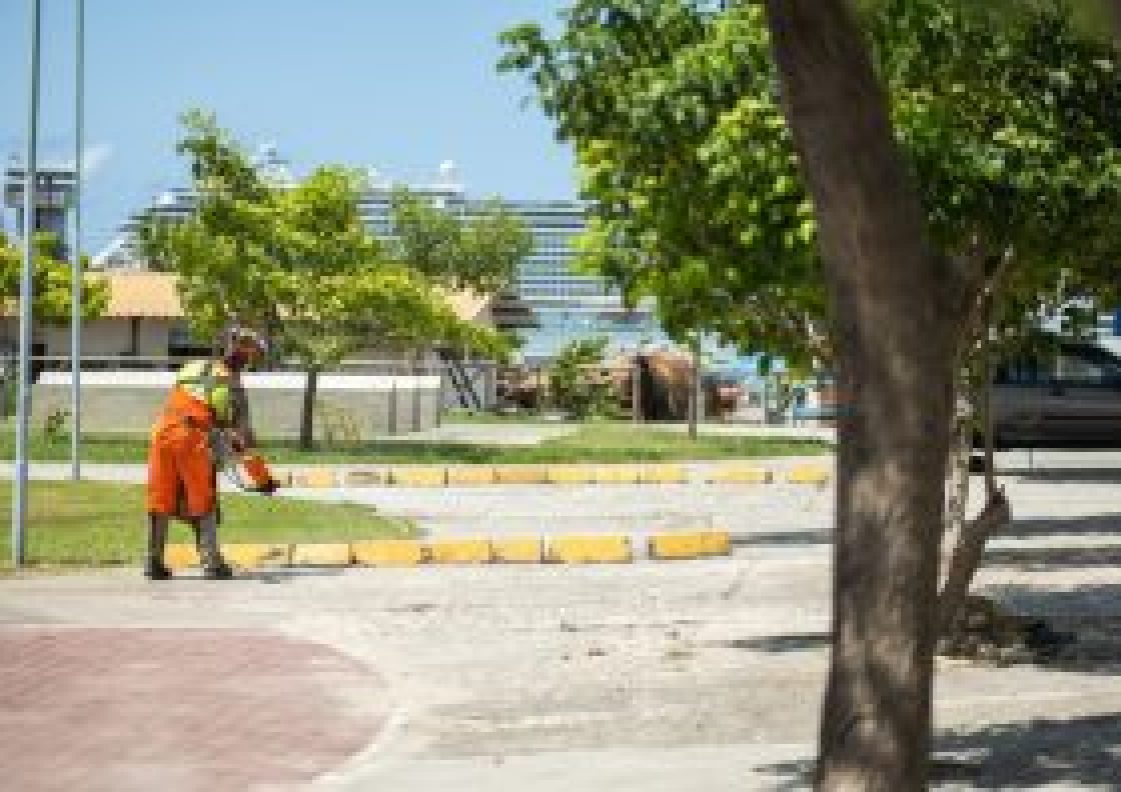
x,y
246,470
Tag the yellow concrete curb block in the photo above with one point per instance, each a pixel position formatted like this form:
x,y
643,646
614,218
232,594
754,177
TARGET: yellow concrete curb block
x,y
459,551
517,550
662,474
484,475
333,554
617,474
389,552
741,476
570,474
470,476
315,479
249,556
366,478
180,556
690,545
808,474
520,474
419,477
590,550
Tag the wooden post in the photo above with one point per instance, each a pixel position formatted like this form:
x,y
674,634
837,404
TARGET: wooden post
x,y
695,405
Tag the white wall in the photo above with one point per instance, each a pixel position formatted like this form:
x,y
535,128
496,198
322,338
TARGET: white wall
x,y
100,337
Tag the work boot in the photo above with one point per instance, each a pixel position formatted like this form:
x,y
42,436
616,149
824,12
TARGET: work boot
x,y
154,567
206,536
156,570
221,571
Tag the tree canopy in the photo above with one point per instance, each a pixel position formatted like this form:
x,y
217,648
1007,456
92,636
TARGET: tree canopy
x,y
298,261
51,285
1012,127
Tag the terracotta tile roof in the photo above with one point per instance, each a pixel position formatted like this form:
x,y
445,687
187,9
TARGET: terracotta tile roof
x,y
146,295
153,295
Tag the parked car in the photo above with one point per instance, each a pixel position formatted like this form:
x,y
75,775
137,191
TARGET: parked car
x,y
1069,397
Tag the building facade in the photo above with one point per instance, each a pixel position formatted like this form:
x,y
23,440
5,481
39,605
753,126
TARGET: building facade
x,y
53,196
550,302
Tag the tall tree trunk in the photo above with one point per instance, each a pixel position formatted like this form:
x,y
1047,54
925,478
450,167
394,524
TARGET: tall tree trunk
x,y
307,412
893,315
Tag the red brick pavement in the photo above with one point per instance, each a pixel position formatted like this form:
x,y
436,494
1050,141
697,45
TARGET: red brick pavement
x,y
115,710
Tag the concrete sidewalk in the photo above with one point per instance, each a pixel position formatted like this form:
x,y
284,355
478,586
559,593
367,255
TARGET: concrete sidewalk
x,y
697,676
692,677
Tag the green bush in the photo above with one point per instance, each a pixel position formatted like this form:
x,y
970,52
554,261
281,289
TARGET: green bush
x,y
571,389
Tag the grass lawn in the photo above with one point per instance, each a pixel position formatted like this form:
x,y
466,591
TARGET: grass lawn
x,y
93,522
593,442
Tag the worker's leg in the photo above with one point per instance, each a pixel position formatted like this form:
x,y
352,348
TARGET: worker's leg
x,y
196,496
200,489
161,496
154,567
163,478
195,467
210,553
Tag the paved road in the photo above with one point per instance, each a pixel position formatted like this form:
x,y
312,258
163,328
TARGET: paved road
x,y
674,677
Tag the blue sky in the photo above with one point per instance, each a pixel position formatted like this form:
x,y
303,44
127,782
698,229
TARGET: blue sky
x,y
395,85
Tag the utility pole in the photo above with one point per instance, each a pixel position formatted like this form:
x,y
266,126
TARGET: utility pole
x,y
30,185
76,248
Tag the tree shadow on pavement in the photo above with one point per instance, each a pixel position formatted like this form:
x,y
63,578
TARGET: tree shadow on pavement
x,y
288,574
772,538
777,644
1085,475
1098,524
1054,753
1092,613
1054,557
1076,753
1058,555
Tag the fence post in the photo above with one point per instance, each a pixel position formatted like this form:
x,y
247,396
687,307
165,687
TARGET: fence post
x,y
416,399
392,422
636,391
440,404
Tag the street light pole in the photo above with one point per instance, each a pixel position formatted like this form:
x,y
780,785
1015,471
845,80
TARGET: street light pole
x,y
76,248
30,183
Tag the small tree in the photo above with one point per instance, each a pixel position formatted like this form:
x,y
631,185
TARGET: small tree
x,y
570,386
297,261
51,289
51,284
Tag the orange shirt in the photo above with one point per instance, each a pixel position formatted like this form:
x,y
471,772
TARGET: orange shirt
x,y
182,407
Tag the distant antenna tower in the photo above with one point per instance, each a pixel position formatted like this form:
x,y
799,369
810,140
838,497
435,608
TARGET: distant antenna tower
x,y
449,175
375,179
273,168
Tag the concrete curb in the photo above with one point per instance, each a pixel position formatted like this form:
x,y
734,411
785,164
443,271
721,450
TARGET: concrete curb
x,y
569,549
558,475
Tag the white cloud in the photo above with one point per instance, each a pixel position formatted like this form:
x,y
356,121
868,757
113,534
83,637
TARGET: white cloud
x,y
94,156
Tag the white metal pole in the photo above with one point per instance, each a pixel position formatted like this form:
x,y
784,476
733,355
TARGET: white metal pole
x,y
76,247
30,180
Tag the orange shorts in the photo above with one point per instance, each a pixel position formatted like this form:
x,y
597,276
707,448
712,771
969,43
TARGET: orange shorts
x,y
181,481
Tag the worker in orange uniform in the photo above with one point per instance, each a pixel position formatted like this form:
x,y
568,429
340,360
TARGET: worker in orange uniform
x,y
206,411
